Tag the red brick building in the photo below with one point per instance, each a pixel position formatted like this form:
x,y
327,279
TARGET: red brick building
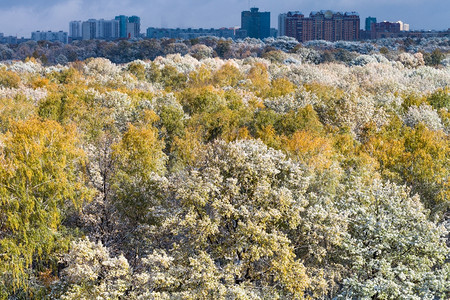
x,y
323,25
384,29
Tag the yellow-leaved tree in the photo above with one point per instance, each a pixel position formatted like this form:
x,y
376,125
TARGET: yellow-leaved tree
x,y
40,179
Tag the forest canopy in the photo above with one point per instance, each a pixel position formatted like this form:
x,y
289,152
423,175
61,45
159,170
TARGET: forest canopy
x,y
231,171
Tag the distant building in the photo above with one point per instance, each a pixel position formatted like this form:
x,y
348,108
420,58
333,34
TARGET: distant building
x,y
369,22
293,24
241,33
282,24
273,32
384,29
322,25
134,27
12,40
403,26
51,36
190,33
75,30
129,27
106,29
89,29
257,24
102,29
123,20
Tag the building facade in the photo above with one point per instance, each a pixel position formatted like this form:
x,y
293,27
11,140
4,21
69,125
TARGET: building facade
x,y
89,29
129,27
403,26
190,33
293,25
369,22
282,24
51,36
322,25
384,29
256,23
105,29
75,30
134,27
123,20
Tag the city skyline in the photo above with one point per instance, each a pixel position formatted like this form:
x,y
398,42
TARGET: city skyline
x,y
56,15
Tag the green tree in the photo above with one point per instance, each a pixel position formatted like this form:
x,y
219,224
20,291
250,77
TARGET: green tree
x,y
223,47
434,58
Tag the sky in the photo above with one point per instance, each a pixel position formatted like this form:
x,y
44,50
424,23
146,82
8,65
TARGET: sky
x,y
21,17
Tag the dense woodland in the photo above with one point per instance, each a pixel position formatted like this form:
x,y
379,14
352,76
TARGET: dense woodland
x,y
125,51
248,170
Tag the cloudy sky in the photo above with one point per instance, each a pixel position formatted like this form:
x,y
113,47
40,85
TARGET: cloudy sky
x,y
21,17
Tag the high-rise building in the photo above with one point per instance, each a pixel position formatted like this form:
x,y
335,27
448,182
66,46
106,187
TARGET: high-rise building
x,y
322,25
257,24
293,25
107,29
384,29
89,29
282,24
134,27
403,26
75,30
369,22
51,36
120,27
129,27
123,20
351,25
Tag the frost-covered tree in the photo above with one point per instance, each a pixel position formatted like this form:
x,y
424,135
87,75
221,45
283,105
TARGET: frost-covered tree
x,y
233,209
92,273
392,248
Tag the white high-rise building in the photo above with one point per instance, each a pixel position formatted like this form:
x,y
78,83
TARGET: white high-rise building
x,y
107,29
89,29
282,24
403,26
95,29
75,30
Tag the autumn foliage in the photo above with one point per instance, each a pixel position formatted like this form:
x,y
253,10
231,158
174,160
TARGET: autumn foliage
x,y
199,177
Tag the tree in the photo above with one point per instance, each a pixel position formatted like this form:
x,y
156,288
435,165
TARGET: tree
x,y
40,180
138,158
435,58
393,249
259,77
9,79
91,272
234,209
223,48
227,75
